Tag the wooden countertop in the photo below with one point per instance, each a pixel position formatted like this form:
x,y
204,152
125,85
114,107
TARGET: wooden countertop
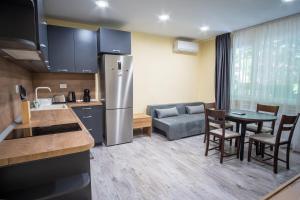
x,y
40,147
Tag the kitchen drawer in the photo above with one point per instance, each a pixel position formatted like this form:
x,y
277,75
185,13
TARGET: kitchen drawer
x,y
86,110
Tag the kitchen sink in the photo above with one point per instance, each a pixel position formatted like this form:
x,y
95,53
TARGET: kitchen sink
x,y
50,107
39,131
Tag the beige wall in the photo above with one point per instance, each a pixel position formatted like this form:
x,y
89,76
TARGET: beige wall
x,y
207,71
161,76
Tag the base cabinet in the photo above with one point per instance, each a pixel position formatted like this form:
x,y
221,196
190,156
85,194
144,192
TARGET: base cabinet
x,y
65,177
92,118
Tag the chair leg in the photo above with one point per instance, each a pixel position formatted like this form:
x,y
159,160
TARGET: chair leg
x,y
238,141
250,149
204,138
288,156
275,167
257,146
271,147
221,149
231,128
207,144
262,150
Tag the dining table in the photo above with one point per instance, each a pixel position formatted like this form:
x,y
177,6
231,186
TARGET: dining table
x,y
244,117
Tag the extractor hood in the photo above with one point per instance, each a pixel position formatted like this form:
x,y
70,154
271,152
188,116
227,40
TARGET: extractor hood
x,y
22,33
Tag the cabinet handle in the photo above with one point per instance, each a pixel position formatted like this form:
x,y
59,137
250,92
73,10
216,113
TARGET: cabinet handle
x,y
44,22
62,70
87,108
90,129
87,117
116,50
46,61
86,70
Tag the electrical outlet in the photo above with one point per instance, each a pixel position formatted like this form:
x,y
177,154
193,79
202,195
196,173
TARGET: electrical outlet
x,y
63,86
17,89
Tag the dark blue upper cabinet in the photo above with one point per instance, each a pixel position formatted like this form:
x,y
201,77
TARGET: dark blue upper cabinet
x,y
61,49
42,29
114,41
85,51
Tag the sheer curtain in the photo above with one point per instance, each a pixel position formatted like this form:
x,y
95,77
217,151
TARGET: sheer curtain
x,y
266,67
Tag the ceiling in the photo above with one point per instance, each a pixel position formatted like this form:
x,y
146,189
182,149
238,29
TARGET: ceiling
x,y
186,16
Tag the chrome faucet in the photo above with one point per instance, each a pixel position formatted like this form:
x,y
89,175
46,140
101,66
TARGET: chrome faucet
x,y
40,88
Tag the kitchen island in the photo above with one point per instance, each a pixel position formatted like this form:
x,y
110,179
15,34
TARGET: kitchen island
x,y
53,166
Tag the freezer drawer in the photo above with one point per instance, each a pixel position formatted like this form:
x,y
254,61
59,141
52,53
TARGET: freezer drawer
x,y
118,126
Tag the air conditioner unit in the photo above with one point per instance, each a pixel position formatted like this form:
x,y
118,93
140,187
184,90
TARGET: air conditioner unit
x,y
182,46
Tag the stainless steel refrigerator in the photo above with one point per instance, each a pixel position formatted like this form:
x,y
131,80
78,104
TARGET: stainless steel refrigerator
x,y
117,94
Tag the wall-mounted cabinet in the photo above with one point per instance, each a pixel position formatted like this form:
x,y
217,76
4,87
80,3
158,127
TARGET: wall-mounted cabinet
x,y
114,41
23,30
85,51
72,50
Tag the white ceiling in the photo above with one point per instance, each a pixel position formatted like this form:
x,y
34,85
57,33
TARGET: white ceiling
x,y
186,16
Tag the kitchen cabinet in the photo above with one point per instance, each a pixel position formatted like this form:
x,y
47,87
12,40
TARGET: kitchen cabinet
x,y
42,29
85,51
61,49
114,41
92,118
72,50
23,27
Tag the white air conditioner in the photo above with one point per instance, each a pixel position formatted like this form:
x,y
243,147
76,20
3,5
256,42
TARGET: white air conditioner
x,y
181,46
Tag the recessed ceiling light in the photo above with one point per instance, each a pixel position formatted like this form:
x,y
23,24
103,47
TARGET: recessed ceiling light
x,y
287,1
204,28
164,17
102,4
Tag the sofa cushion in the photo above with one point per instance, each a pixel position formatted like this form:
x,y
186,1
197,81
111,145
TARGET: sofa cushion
x,y
167,112
180,126
195,109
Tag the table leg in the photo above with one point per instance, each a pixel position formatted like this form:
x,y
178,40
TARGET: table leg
x,y
243,133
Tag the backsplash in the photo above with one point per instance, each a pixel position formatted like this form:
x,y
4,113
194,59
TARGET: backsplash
x,y
74,82
10,76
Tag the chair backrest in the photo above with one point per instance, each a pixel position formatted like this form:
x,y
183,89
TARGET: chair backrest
x,y
214,116
268,109
210,105
288,125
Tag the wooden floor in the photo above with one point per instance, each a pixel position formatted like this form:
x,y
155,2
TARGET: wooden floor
x,y
154,168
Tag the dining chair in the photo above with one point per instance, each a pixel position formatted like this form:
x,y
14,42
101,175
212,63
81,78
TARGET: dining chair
x,y
287,126
218,117
264,109
228,125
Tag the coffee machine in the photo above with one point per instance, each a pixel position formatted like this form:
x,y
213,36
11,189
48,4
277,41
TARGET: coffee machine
x,y
86,95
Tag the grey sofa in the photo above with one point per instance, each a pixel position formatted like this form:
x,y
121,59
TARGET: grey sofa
x,y
180,126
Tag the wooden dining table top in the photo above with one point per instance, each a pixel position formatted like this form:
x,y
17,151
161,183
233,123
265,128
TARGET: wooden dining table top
x,y
249,116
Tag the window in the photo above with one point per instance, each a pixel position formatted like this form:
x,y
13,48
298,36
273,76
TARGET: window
x,y
265,64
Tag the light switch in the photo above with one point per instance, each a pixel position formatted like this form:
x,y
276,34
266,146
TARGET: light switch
x,y
63,86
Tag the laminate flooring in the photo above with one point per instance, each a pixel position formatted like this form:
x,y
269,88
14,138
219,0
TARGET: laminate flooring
x,y
158,169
